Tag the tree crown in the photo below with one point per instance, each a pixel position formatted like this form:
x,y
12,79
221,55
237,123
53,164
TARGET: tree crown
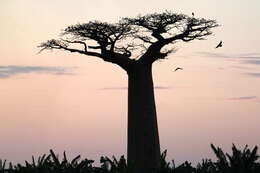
x,y
147,33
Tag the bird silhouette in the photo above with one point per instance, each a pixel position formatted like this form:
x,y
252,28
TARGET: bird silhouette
x,y
219,45
192,14
178,68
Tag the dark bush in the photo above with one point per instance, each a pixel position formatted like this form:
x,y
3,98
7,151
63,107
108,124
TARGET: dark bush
x,y
239,161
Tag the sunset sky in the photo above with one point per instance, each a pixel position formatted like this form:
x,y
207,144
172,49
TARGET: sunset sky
x,y
63,101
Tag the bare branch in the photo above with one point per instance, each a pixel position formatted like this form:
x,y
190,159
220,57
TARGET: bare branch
x,y
79,42
60,44
144,38
150,33
126,50
156,23
186,29
105,34
94,47
120,59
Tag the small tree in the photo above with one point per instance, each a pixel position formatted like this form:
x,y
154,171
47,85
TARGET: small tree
x,y
150,36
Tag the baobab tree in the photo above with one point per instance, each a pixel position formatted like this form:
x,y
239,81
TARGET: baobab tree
x,y
150,37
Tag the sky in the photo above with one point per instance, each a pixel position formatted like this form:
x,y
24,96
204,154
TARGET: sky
x,y
62,101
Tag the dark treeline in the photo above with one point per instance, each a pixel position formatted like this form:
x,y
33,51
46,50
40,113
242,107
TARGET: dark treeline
x,y
239,161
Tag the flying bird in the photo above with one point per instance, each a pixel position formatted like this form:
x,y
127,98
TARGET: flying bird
x,y
219,45
178,68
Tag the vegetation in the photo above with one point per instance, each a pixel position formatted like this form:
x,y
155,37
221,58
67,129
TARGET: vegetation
x,y
239,161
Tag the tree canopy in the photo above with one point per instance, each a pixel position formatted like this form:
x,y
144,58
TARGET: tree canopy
x,y
149,36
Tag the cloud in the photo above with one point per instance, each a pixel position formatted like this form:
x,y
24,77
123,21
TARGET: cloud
x,y
250,54
12,70
243,98
114,88
125,88
241,67
256,62
253,74
246,56
162,87
209,54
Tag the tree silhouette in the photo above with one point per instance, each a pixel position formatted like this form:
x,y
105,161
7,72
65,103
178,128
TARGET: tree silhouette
x,y
150,36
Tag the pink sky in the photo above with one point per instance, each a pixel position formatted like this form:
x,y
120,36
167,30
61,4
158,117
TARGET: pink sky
x,y
63,101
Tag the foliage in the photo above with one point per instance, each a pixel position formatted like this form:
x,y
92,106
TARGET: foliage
x,y
240,161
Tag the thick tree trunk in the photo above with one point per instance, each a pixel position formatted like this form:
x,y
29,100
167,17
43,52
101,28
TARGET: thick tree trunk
x,y
143,148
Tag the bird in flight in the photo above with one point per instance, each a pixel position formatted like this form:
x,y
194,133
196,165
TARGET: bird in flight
x,y
219,45
178,68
